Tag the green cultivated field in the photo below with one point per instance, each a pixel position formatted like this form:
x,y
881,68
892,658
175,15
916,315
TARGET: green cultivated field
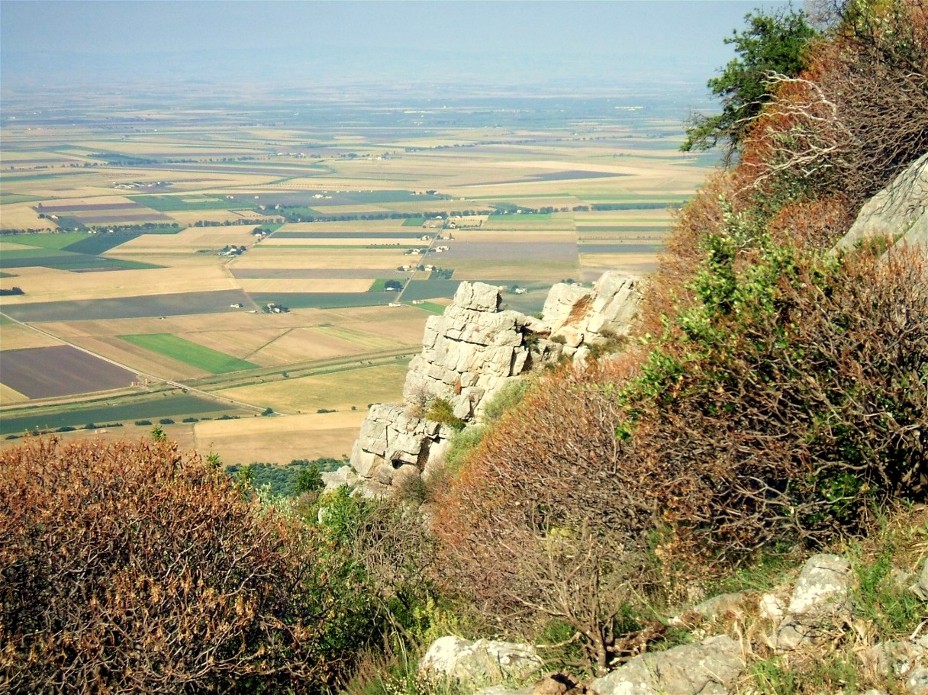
x,y
76,416
190,353
47,241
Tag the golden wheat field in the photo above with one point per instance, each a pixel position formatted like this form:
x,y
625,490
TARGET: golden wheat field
x,y
278,439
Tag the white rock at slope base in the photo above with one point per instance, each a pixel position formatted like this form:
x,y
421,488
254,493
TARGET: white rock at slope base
x,y
821,593
483,662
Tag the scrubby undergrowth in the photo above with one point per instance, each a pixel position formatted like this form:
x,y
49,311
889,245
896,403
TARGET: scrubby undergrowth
x,y
778,394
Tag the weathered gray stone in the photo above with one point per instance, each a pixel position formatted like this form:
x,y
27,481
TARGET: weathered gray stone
x,y
572,336
920,587
899,209
562,301
581,356
406,475
917,682
364,462
905,661
820,595
709,668
504,690
484,662
345,475
383,474
720,605
771,608
615,303
478,296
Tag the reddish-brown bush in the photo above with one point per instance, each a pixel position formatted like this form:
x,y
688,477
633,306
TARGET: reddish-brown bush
x,y
797,410
856,117
783,406
128,567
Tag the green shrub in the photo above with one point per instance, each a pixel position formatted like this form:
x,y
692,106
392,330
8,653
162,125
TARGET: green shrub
x,y
441,411
506,399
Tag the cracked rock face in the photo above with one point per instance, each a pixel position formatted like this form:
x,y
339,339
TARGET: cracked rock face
x,y
482,662
469,354
900,209
821,592
709,668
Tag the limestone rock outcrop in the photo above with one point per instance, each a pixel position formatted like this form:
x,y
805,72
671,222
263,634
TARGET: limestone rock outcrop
x,y
470,353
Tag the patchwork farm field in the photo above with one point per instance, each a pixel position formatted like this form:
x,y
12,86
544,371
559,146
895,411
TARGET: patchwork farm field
x,y
198,356
274,267
61,370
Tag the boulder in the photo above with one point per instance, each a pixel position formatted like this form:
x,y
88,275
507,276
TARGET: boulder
x,y
820,596
562,302
478,296
711,667
615,304
345,475
899,209
905,661
483,662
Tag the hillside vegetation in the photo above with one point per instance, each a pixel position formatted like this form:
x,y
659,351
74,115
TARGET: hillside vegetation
x,y
777,395
774,401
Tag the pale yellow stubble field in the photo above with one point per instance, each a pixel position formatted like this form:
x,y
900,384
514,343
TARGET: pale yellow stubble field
x,y
14,336
22,216
346,228
347,332
9,396
342,391
46,284
268,257
593,265
279,439
190,240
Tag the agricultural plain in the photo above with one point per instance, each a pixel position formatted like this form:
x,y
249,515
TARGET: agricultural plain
x,y
280,275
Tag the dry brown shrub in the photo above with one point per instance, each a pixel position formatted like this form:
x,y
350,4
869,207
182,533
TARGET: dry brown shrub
x,y
799,423
857,117
667,288
545,521
811,224
129,567
805,409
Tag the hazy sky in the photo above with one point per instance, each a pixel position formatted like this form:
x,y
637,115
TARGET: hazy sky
x,y
295,43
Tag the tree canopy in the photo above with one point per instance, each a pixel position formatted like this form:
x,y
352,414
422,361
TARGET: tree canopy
x,y
770,44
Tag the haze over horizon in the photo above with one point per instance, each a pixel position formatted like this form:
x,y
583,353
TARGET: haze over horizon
x,y
277,45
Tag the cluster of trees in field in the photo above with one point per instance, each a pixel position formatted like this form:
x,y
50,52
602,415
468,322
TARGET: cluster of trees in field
x,y
294,478
773,400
